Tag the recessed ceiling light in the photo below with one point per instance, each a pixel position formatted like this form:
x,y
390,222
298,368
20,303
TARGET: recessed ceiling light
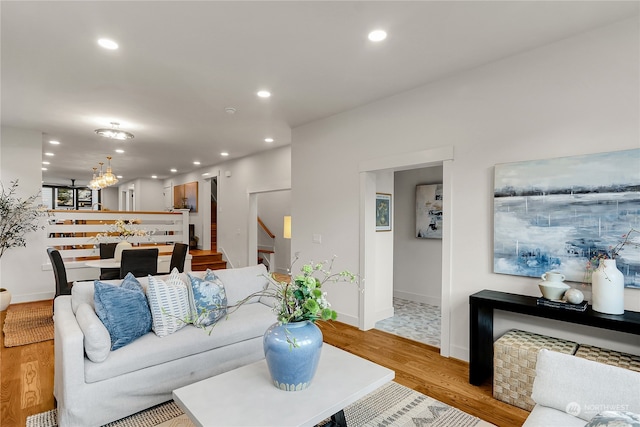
x,y
108,44
264,94
46,163
174,170
377,35
224,153
268,140
120,151
49,154
154,176
196,162
205,174
119,176
54,142
44,169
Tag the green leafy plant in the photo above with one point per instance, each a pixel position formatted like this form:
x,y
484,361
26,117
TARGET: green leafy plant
x,y
18,217
302,298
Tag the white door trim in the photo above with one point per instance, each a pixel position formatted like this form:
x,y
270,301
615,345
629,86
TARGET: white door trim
x,y
368,168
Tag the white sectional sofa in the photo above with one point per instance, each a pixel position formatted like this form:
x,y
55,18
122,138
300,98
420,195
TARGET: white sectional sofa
x,y
144,372
571,391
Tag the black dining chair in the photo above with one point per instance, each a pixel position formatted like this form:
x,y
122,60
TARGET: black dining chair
x,y
63,287
140,262
108,250
178,256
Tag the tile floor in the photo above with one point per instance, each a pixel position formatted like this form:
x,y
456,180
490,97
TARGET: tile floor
x,y
413,320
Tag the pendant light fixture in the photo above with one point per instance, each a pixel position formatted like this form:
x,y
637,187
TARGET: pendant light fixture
x,y
93,184
114,132
103,180
109,177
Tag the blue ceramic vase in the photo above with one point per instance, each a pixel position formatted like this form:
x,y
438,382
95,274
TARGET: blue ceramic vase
x,y
292,368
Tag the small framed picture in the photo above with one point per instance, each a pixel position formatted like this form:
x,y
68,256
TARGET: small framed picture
x,y
383,212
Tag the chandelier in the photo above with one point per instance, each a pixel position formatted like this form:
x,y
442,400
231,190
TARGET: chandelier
x,y
103,180
114,132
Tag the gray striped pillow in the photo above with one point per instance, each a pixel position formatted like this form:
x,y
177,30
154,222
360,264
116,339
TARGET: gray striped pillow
x,y
169,303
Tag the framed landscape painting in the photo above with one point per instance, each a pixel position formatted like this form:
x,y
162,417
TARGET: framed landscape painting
x,y
383,212
556,214
429,211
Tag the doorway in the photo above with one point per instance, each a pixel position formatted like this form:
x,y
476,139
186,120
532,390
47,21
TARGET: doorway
x,y
377,297
252,225
417,263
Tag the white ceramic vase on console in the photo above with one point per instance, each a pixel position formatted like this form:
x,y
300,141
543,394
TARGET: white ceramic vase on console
x,y
607,288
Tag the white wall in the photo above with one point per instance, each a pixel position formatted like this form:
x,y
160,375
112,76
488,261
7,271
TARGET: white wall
x,y
149,195
253,174
21,268
109,197
417,263
573,97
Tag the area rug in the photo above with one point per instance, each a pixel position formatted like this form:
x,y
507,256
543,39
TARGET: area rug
x,y
392,405
27,325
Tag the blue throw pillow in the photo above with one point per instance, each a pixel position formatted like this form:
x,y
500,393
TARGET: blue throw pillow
x,y
207,298
123,310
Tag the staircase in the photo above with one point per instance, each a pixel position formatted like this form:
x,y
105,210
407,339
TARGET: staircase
x,y
201,260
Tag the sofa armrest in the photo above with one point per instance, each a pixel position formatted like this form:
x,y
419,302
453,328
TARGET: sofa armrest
x,y
68,348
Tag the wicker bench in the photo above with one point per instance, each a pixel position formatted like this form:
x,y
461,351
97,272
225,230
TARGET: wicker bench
x,y
609,357
514,364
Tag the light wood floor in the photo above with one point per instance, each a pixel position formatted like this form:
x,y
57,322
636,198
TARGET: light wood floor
x,y
26,374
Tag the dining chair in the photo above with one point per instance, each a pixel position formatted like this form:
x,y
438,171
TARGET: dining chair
x,y
108,250
178,256
63,287
140,262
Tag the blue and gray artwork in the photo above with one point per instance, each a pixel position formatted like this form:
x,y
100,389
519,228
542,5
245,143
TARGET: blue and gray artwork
x,y
556,214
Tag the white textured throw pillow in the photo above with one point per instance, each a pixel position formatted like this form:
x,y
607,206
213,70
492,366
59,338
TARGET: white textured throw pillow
x,y
239,283
97,341
169,303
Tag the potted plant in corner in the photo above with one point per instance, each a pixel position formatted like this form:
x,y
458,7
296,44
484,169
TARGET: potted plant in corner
x,y
17,218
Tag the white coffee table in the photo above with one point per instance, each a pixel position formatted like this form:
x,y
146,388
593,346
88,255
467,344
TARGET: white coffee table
x,y
247,397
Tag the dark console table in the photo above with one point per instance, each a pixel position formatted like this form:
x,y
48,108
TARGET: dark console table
x,y
482,304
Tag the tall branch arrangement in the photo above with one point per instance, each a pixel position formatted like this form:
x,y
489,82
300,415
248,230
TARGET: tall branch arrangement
x,y
17,217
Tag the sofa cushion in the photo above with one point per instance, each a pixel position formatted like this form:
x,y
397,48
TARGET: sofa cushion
x,y
242,282
123,310
169,302
564,381
249,322
541,416
207,299
615,419
97,341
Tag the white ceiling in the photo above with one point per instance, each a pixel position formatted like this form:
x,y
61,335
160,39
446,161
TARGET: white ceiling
x,y
180,63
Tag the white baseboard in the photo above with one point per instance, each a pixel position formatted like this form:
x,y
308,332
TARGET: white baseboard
x,y
40,296
417,297
384,314
460,353
349,320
